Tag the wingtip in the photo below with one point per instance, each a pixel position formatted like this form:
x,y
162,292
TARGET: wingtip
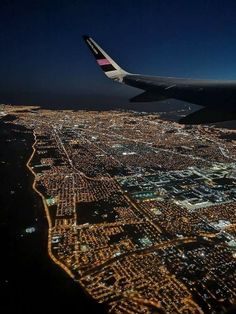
x,y
85,37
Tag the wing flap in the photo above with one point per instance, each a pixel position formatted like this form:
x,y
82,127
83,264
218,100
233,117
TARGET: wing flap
x,y
205,115
147,97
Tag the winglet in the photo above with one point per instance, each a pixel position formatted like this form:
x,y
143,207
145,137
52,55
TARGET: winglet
x,y
106,63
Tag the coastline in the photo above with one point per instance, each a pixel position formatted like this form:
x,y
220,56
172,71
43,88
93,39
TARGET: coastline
x,y
93,304
49,231
31,281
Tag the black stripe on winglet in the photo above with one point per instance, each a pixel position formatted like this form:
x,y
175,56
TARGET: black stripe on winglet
x,y
95,51
108,67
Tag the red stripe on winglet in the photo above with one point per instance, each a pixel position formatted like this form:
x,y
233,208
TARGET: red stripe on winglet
x,y
103,62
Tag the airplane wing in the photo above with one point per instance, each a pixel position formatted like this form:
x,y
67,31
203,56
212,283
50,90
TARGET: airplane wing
x,y
216,95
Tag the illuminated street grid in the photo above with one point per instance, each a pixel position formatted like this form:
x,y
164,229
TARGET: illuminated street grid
x,y
142,211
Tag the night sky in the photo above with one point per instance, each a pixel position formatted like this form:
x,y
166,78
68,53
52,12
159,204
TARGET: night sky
x,y
43,59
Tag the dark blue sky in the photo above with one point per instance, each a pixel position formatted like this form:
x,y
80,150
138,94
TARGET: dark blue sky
x,y
44,60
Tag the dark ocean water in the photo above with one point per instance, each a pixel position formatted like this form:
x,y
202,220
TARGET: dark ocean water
x,y
29,281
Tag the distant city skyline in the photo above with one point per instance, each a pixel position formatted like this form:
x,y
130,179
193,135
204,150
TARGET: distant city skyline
x,y
43,59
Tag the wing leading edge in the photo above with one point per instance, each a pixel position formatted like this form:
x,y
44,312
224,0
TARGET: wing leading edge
x,y
215,95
